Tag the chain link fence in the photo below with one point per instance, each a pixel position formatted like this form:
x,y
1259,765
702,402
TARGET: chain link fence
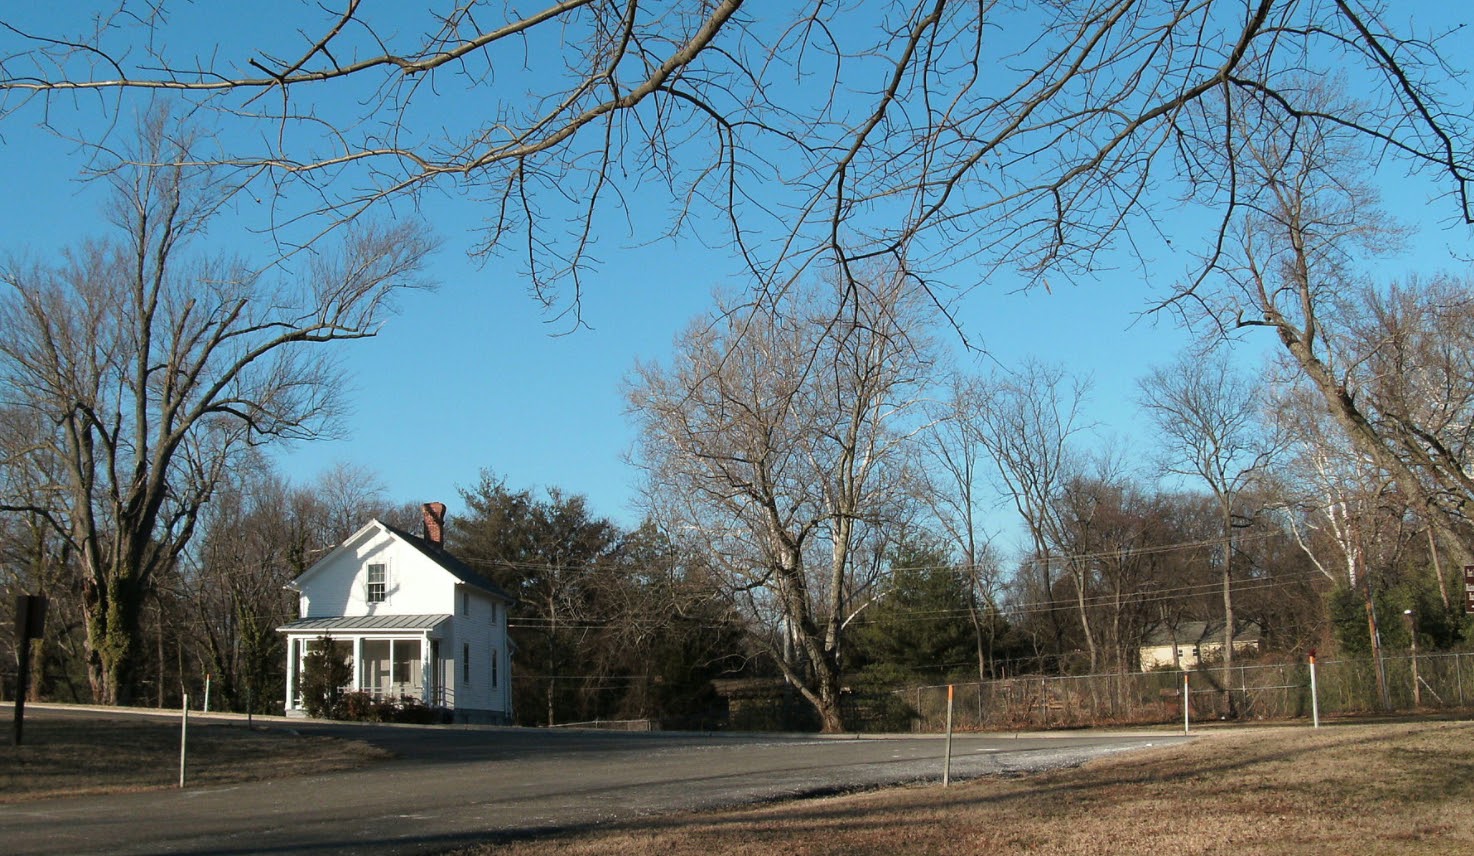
x,y
1257,692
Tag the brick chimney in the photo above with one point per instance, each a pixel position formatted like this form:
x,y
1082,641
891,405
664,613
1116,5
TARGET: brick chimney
x,y
434,523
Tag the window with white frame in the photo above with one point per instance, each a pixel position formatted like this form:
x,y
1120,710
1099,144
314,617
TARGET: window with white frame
x,y
377,578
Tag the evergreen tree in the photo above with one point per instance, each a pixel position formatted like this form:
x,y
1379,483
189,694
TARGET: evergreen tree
x,y
327,670
918,628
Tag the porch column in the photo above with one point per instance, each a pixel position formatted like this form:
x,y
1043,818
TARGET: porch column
x,y
358,683
292,645
425,668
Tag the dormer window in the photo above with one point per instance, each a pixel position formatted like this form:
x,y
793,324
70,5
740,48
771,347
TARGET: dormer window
x,y
376,583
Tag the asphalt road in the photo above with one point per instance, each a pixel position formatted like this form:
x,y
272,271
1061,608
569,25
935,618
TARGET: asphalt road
x,y
455,786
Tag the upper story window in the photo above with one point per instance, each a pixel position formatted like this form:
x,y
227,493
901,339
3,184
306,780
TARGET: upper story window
x,y
465,602
376,579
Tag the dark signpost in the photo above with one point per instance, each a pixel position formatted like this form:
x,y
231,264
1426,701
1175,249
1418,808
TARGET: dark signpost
x,y
1469,589
30,620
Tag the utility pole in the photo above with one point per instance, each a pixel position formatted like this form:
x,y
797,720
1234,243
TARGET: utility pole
x,y
1412,626
30,622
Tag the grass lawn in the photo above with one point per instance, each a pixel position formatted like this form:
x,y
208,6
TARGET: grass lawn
x,y
1347,788
72,756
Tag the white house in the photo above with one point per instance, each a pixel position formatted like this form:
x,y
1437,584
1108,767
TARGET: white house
x,y
416,621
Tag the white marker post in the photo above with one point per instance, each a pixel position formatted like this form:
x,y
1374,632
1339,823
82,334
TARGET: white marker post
x,y
183,739
206,708
1186,704
947,765
1314,694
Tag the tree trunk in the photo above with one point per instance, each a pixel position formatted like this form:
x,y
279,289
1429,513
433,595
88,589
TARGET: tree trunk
x,y
1438,571
1228,616
977,635
831,717
1366,438
114,640
159,643
1376,638
1079,578
826,692
820,682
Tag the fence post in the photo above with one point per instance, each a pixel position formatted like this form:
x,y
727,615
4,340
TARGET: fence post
x,y
1459,676
947,764
1412,627
183,739
1314,694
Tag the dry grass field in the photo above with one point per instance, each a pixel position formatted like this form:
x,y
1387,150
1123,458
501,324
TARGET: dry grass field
x,y
66,757
1345,789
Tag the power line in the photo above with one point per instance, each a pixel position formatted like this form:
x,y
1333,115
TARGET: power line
x,y
1137,597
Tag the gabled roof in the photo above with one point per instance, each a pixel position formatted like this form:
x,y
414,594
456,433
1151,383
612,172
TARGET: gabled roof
x,y
357,623
438,555
450,564
1196,632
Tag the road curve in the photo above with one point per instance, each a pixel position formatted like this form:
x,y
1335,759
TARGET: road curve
x,y
455,786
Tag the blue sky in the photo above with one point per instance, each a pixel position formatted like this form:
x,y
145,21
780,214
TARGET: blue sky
x,y
474,376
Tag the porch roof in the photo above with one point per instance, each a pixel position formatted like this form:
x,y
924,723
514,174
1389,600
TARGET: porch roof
x,y
365,623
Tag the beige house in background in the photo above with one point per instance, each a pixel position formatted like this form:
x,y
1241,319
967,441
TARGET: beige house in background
x,y
1192,643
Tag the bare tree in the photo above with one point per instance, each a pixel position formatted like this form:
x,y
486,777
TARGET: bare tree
x,y
1345,515
1415,373
152,366
233,584
35,560
1021,134
1293,268
953,472
1028,422
1112,531
775,440
1211,425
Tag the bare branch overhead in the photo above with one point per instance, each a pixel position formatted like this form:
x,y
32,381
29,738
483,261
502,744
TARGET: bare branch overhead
x,y
957,137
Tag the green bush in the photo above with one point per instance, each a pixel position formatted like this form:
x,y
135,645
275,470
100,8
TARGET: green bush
x,y
364,707
359,707
412,710
327,670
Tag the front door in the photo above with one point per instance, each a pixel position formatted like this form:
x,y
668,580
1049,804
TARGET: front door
x,y
409,672
376,654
